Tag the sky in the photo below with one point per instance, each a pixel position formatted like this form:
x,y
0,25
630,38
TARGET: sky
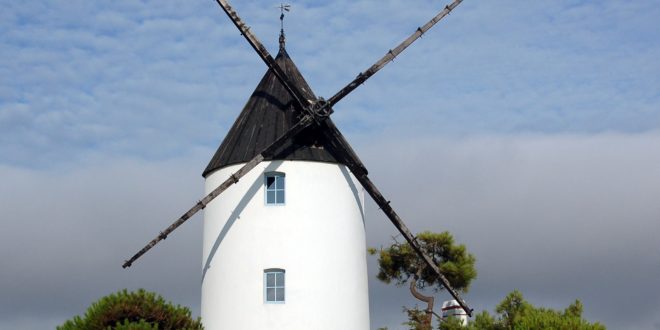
x,y
528,129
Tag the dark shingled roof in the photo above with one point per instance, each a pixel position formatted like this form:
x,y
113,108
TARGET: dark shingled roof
x,y
268,114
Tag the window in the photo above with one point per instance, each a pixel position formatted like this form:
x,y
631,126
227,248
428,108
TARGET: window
x,y
274,188
274,286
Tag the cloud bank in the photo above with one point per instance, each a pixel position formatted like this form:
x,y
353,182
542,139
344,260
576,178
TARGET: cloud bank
x,y
529,130
560,217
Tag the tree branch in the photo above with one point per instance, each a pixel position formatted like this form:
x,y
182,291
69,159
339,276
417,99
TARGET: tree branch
x,y
427,299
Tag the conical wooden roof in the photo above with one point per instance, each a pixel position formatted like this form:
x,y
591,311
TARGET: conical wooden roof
x,y
267,115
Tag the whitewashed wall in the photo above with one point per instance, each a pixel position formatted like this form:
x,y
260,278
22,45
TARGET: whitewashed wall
x,y
317,237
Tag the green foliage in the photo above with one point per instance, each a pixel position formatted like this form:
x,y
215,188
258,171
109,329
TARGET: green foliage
x,y
516,313
512,309
139,310
451,324
399,262
483,321
416,318
513,313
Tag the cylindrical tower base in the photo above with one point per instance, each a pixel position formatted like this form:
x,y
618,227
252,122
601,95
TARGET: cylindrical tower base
x,y
294,259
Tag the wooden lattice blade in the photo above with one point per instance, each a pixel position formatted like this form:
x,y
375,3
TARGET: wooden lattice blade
x,y
340,147
263,53
391,54
267,152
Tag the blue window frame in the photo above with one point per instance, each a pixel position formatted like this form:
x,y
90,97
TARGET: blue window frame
x,y
274,182
274,286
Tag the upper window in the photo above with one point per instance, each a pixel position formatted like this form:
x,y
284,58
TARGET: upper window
x,y
274,188
274,286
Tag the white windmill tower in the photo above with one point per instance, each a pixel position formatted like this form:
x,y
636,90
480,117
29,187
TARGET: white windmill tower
x,y
284,248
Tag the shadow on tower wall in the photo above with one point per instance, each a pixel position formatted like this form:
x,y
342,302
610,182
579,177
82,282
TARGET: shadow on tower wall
x,y
235,214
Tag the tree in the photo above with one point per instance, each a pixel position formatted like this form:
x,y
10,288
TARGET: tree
x,y
399,263
514,312
139,310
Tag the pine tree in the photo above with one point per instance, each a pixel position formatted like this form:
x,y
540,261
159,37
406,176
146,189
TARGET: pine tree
x,y
140,310
400,264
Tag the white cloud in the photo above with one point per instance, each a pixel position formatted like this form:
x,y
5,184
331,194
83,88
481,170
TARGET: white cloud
x,y
561,217
107,71
65,235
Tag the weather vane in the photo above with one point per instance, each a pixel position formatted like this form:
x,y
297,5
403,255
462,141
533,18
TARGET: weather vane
x,y
283,7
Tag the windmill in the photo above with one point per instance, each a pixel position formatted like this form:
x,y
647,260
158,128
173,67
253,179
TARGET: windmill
x,y
285,144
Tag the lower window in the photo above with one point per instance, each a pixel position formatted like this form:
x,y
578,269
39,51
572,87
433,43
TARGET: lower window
x,y
274,286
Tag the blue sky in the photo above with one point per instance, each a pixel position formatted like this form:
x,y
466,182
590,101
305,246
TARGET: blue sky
x,y
79,77
537,116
